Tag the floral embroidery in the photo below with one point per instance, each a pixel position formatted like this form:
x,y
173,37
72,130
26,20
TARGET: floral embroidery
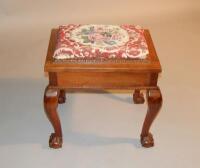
x,y
103,41
101,37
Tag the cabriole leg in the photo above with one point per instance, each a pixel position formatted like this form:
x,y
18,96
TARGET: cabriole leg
x,y
50,106
154,101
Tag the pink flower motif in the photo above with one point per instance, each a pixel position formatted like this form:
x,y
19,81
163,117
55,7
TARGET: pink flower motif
x,y
86,53
115,37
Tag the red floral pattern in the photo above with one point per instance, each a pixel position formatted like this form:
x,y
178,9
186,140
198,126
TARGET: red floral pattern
x,y
102,41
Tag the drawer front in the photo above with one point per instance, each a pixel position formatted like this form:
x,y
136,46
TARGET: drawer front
x,y
100,80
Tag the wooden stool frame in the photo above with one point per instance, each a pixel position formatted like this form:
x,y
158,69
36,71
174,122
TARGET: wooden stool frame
x,y
125,74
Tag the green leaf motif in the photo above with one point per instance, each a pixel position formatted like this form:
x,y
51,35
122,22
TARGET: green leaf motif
x,y
85,39
85,31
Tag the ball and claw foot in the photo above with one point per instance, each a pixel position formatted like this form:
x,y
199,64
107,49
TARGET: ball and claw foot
x,y
147,141
138,98
55,141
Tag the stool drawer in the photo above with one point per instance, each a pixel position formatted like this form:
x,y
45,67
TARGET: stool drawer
x,y
109,80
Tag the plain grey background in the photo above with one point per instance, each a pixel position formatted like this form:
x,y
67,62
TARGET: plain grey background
x,y
100,130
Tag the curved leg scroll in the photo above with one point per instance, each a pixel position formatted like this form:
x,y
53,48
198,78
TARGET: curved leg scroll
x,y
154,99
138,97
50,106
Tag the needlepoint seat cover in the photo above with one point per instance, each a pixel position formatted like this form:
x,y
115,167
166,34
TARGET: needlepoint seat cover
x,y
89,41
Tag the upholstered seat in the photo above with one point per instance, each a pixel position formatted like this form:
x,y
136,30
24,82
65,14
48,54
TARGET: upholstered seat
x,y
100,41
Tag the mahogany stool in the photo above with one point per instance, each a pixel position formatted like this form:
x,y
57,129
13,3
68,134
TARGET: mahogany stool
x,y
102,57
